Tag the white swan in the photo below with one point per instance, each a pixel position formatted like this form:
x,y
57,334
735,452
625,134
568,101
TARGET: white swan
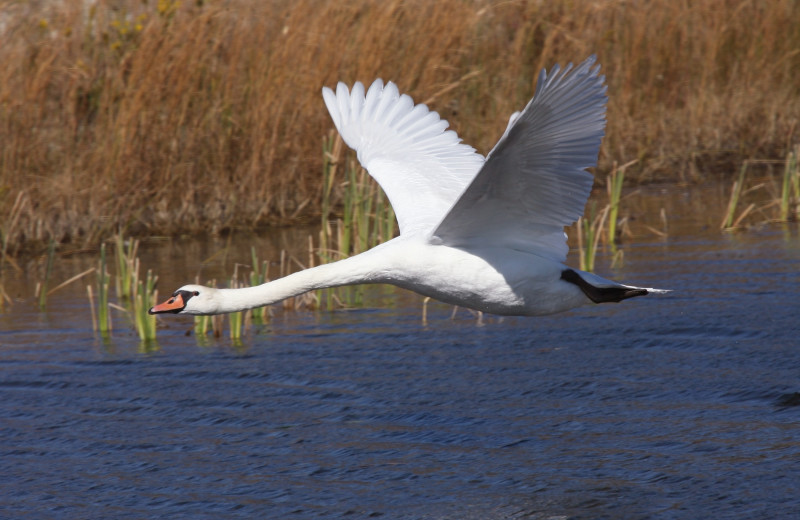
x,y
484,233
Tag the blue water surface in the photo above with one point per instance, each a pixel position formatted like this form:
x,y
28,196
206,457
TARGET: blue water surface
x,y
676,406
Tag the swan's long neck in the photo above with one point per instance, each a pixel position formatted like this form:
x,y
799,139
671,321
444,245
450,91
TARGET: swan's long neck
x,y
363,268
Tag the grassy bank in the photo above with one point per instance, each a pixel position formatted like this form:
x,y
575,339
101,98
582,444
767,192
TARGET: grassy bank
x,y
195,116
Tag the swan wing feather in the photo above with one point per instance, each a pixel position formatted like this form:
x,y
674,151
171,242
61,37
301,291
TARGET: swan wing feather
x,y
421,166
534,181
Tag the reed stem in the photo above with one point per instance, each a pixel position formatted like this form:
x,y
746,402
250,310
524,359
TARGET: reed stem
x,y
614,195
589,232
103,279
125,262
144,296
733,202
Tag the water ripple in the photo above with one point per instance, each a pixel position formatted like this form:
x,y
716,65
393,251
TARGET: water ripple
x,y
680,407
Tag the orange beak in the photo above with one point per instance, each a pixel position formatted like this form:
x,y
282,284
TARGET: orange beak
x,y
173,305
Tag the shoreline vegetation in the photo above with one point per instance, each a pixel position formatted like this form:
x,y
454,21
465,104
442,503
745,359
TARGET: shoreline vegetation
x,y
162,117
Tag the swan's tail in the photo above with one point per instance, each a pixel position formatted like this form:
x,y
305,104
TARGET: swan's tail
x,y
600,290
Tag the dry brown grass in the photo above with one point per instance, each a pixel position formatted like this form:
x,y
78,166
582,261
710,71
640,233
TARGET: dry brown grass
x,y
161,117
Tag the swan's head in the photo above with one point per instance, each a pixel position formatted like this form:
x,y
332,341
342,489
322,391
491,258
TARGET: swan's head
x,y
190,299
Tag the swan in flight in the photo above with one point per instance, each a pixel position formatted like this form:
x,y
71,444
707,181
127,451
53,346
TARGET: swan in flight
x,y
480,232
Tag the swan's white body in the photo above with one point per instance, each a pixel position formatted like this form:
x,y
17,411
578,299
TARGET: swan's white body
x,y
484,233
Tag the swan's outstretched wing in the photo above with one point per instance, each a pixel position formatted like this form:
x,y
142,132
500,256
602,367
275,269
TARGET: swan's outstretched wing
x,y
534,181
421,166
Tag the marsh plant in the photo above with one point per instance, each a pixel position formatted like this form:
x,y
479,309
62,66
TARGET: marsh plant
x,y
595,227
126,265
590,230
155,95
765,200
135,294
731,220
614,189
101,317
144,295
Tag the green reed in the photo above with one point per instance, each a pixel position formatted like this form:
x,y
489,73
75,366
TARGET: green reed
x,y
589,232
236,321
586,258
201,326
103,317
345,245
144,295
126,255
730,220
787,201
614,187
139,293
331,149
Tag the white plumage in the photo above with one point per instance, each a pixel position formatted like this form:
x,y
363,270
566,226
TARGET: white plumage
x,y
421,166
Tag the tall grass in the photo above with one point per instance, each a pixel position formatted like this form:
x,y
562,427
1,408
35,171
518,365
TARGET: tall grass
x,y
144,295
136,294
614,188
126,265
589,230
737,187
765,198
101,317
164,117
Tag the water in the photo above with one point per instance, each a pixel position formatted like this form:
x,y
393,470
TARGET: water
x,y
680,406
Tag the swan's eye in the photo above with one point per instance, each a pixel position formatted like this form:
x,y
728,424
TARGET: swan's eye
x,y
196,293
